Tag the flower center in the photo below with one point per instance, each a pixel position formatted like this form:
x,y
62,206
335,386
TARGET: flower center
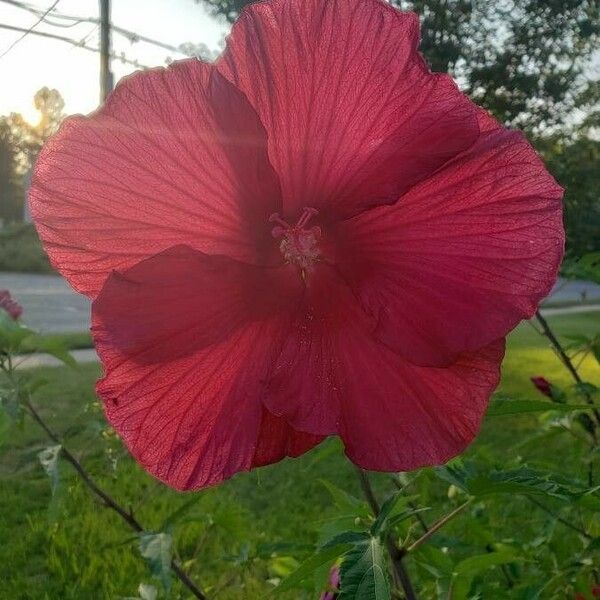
x,y
299,244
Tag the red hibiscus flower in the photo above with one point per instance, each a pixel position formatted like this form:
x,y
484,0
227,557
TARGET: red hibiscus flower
x,y
13,308
314,236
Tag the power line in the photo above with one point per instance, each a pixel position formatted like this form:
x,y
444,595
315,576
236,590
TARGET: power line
x,y
36,11
132,36
28,31
79,44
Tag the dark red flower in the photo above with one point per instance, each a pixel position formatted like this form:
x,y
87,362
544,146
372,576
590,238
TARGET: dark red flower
x,y
542,385
314,236
13,308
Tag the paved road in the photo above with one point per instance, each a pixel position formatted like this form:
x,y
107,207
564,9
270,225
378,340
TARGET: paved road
x,y
52,306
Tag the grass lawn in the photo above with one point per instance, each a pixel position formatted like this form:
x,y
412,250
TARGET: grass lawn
x,y
71,341
72,548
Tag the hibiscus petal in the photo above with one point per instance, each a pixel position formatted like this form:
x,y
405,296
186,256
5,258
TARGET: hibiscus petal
x,y
416,416
176,156
354,116
187,341
181,300
277,439
463,257
333,376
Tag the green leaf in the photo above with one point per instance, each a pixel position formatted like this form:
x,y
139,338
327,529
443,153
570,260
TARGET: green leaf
x,y
346,537
466,570
526,481
522,480
364,572
56,348
344,501
147,592
156,548
392,506
456,473
306,570
515,407
587,267
49,461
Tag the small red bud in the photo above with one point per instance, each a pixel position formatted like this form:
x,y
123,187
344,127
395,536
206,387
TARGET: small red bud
x,y
14,309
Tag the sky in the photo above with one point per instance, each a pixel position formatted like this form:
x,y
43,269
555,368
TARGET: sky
x,y
36,62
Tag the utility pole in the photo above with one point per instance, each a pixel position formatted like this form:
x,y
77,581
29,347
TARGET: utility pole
x,y
106,76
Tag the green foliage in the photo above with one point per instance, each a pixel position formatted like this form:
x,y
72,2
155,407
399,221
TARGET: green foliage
x,y
505,406
49,460
305,572
574,163
584,267
11,187
466,570
364,572
241,539
146,592
156,548
21,250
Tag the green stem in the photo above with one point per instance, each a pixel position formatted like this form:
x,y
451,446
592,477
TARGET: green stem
x,y
396,553
438,525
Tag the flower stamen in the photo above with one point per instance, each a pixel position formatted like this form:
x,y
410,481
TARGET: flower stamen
x,y
298,245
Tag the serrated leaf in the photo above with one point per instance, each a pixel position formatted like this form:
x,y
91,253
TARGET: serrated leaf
x,y
49,460
346,537
306,570
456,473
156,548
523,480
466,570
364,572
516,407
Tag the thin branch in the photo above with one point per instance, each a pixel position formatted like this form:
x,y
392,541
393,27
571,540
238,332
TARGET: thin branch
x,y
396,554
108,501
566,523
566,361
438,525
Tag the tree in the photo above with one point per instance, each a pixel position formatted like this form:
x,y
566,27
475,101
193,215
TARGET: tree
x,y
575,164
10,188
20,143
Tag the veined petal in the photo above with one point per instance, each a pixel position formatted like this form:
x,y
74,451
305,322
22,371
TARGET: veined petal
x,y
187,341
175,156
354,117
463,257
333,376
277,439
181,301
